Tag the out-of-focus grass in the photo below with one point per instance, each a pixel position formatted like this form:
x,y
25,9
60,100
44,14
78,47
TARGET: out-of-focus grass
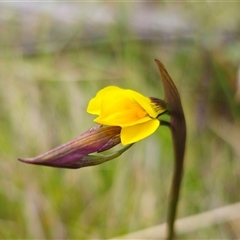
x,y
43,100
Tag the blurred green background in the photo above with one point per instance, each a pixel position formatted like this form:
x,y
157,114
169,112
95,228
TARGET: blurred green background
x,y
54,57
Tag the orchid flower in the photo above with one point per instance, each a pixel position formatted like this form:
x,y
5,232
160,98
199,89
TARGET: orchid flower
x,y
125,116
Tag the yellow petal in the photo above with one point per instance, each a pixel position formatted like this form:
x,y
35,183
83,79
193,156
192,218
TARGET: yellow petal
x,y
114,102
146,103
137,132
121,111
95,104
124,119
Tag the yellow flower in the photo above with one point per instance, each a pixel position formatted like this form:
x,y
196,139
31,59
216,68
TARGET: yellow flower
x,y
133,112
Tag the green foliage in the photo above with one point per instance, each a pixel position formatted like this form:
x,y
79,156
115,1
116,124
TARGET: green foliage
x,y
43,101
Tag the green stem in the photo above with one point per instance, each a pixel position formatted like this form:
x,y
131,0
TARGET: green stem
x,y
92,160
173,200
174,193
178,130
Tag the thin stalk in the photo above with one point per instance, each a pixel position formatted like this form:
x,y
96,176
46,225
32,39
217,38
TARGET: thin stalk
x,y
178,130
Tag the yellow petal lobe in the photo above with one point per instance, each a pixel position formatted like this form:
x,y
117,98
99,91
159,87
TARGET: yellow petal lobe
x,y
95,104
138,132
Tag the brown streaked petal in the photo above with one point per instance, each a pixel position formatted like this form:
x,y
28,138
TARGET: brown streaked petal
x,y
92,160
159,104
96,139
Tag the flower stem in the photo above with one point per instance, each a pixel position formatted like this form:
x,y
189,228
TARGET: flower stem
x,y
178,130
